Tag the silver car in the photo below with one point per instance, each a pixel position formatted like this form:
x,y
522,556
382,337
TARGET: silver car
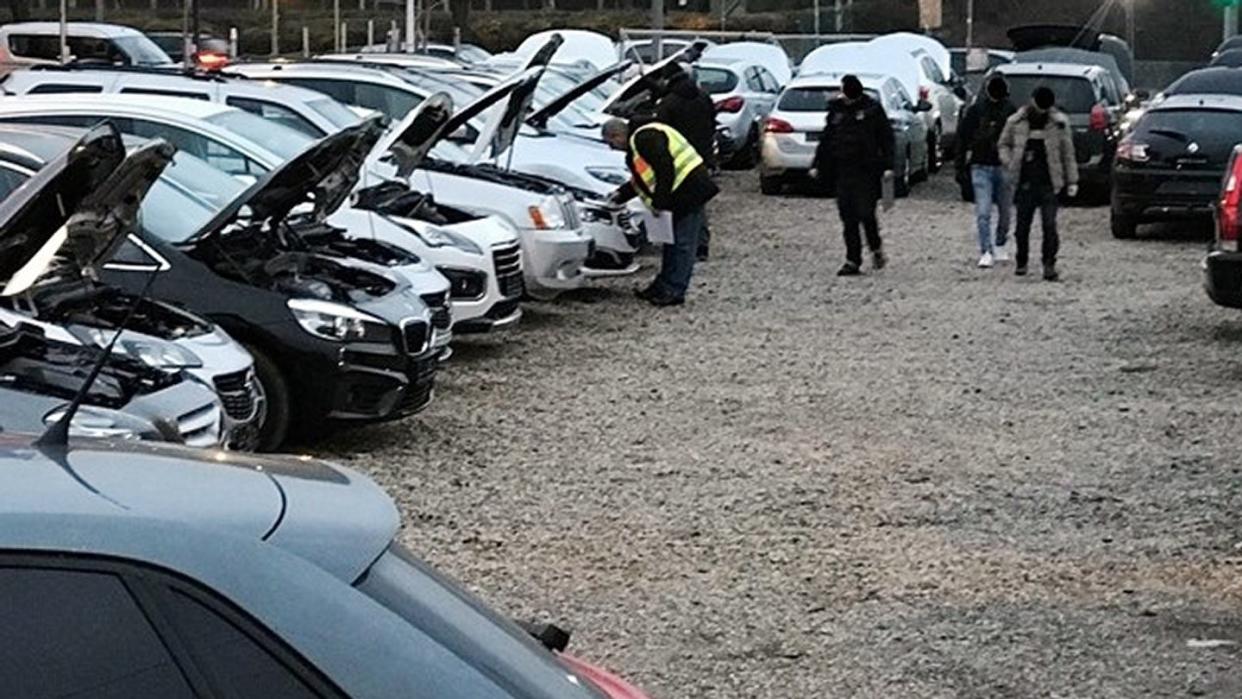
x,y
744,93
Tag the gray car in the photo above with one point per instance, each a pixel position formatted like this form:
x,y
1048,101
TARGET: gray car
x,y
136,570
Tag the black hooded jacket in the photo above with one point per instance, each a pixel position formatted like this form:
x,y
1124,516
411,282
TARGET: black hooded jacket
x,y
857,140
688,109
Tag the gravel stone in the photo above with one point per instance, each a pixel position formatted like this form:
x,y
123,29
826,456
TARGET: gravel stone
x,y
931,481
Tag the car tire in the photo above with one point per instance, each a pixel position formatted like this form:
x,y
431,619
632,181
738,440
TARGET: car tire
x,y
770,185
1124,227
934,157
274,429
746,158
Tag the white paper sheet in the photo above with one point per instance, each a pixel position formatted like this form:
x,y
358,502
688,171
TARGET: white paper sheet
x,y
659,226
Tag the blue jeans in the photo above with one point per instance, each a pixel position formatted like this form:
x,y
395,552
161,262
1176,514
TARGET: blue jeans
x,y
991,187
678,259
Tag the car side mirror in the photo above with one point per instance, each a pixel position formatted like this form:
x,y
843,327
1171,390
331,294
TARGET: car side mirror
x,y
923,106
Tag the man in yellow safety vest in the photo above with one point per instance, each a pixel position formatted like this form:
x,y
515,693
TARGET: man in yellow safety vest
x,y
668,174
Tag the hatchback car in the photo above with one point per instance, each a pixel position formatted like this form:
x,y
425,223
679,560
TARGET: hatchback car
x,y
1171,163
130,570
744,93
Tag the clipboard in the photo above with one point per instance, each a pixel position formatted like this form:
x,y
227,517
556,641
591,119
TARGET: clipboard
x,y
659,225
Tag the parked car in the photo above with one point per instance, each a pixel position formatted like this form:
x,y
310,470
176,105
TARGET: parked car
x,y
744,94
938,85
210,53
1204,81
144,570
302,110
469,54
1038,36
1229,44
90,184
1082,94
644,51
577,46
974,63
33,43
771,56
1171,164
791,133
1222,268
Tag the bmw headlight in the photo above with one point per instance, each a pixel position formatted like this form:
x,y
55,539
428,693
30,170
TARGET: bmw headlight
x,y
99,423
151,351
336,321
548,214
438,237
609,175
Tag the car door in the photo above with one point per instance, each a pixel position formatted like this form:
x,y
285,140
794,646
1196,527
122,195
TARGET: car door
x,y
941,94
770,90
916,124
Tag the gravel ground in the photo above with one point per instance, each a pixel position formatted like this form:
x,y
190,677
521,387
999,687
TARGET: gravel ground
x,y
932,481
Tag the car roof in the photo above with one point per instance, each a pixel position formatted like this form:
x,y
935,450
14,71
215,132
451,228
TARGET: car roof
x,y
724,62
97,29
832,79
1200,101
1216,79
1060,70
181,107
33,145
361,72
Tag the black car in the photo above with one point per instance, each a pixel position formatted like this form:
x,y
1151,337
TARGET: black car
x,y
1231,58
1205,81
1170,165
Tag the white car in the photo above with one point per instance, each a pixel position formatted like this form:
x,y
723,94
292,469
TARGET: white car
x,y
227,139
937,85
578,46
769,55
744,93
35,43
302,110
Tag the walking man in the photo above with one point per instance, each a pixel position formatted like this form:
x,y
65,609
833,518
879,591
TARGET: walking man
x,y
688,109
1037,150
855,153
979,135
668,174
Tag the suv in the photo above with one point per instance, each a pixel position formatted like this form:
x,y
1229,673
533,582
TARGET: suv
x,y
1171,163
1222,268
34,43
1083,95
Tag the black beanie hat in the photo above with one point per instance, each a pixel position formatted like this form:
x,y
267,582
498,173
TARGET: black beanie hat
x,y
1045,98
998,89
852,87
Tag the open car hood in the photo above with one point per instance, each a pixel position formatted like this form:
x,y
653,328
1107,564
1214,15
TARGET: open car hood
x,y
408,143
638,90
324,175
543,56
79,206
498,134
539,118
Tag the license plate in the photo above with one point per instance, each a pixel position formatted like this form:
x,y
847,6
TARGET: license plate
x,y
812,136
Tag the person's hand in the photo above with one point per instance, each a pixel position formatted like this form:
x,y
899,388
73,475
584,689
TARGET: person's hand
x,y
889,174
1071,191
814,173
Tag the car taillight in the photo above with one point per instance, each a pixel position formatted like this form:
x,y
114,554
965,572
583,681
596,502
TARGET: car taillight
x,y
774,125
1099,118
924,93
211,60
1228,218
731,105
1132,151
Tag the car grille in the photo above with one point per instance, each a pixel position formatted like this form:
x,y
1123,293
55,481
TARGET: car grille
x,y
201,427
441,316
237,394
415,333
570,207
422,375
508,263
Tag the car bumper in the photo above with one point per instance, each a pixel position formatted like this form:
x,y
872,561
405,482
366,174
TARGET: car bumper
x,y
500,306
736,130
553,260
188,412
362,381
781,154
1164,194
1222,278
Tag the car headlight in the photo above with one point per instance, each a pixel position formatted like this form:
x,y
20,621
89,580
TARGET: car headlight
x,y
99,423
610,175
548,214
594,214
437,237
153,352
336,321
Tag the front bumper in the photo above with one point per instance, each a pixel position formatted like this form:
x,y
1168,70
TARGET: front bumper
x,y
1222,278
499,306
1151,195
554,260
188,411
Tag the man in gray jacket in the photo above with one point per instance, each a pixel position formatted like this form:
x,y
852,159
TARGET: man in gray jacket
x,y
1037,150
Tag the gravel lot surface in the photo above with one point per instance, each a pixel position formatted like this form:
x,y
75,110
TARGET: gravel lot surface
x,y
932,481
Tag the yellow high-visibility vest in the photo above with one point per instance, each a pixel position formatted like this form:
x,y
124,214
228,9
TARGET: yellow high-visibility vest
x,y
685,160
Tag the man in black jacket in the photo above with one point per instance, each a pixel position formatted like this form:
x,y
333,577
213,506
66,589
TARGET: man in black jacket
x,y
669,175
979,134
855,152
687,108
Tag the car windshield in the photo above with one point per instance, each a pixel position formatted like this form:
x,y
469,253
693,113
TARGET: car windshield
x,y
185,197
443,610
812,99
280,140
1074,95
715,81
336,113
142,51
1215,130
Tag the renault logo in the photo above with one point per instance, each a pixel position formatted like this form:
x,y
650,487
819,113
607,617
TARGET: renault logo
x,y
1192,148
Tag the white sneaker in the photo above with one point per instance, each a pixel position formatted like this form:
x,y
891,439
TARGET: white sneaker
x,y
1001,254
986,260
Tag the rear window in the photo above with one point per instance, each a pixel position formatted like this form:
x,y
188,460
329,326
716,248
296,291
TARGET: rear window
x,y
715,81
1223,81
1074,95
1216,131
811,99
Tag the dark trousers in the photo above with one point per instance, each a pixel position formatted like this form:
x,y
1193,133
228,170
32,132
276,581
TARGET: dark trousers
x,y
856,200
1026,203
677,264
705,235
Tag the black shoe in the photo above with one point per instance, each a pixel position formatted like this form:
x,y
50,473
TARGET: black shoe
x,y
663,300
849,269
702,255
1020,270
879,259
1050,273
647,292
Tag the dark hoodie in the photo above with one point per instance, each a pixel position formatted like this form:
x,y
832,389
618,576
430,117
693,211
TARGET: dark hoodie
x,y
981,128
688,109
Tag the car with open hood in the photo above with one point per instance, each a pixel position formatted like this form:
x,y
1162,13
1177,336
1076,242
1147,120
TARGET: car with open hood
x,y
97,189
152,570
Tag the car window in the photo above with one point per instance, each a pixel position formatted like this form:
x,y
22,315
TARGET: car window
x,y
753,83
1214,130
277,113
35,46
10,179
389,101
932,70
715,81
163,93
63,89
340,90
769,81
1074,95
77,120
218,155
239,665
336,113
274,138
77,633
89,48
811,99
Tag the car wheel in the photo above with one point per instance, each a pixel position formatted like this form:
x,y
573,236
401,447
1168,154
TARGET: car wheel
x,y
275,425
901,187
934,157
1124,227
770,185
748,155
